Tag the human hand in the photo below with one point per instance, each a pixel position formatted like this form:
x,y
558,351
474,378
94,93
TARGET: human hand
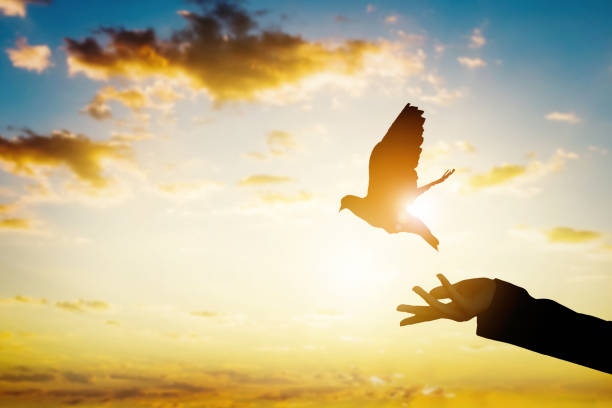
x,y
469,298
446,175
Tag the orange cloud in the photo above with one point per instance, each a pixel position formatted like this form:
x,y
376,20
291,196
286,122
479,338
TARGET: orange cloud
x,y
30,57
508,173
17,8
571,236
15,224
260,179
83,156
496,176
221,51
133,98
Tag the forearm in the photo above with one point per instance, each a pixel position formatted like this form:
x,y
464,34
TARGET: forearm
x,y
426,187
546,327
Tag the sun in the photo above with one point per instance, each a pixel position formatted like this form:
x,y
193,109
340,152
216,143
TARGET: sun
x,y
422,208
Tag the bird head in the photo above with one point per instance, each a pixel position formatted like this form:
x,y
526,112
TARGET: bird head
x,y
347,202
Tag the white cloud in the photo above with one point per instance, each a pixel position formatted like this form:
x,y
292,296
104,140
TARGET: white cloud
x,y
30,57
16,8
567,117
472,62
477,40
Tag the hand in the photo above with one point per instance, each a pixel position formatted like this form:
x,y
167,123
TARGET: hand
x,y
469,298
446,175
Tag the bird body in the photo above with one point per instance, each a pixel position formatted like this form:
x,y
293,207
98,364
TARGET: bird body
x,y
393,179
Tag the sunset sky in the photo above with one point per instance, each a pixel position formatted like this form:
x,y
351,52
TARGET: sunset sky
x,y
171,173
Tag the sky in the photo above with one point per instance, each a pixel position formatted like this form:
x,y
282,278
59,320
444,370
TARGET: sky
x,y
171,173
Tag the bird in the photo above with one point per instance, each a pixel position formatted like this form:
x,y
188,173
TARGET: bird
x,y
393,179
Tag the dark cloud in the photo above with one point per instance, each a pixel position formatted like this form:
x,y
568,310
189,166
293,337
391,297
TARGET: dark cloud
x,y
222,50
78,378
25,374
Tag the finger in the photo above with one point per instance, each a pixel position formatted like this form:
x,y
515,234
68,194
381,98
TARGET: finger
x,y
414,309
446,309
439,292
462,302
419,319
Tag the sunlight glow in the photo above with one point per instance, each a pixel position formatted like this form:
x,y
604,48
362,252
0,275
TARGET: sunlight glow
x,y
422,208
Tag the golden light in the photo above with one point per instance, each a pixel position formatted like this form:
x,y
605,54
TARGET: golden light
x,y
353,272
422,208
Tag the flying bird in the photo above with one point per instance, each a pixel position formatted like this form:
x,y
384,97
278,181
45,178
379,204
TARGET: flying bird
x,y
393,179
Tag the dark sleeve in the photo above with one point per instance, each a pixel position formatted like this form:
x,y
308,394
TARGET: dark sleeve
x,y
546,327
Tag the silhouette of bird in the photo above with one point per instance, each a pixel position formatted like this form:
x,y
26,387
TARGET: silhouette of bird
x,y
393,179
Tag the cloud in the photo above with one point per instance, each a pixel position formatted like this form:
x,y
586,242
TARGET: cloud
x,y
221,51
280,142
601,150
442,149
496,176
160,95
477,40
571,236
443,96
82,305
23,300
18,7
84,157
472,63
30,57
186,188
261,179
506,174
370,8
78,378
26,377
205,313
133,98
256,155
465,147
562,236
567,117
130,137
392,19
7,208
15,224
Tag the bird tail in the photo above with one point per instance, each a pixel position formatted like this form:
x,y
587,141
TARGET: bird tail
x,y
421,229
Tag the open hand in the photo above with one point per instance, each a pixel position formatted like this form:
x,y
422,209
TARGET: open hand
x,y
446,175
469,298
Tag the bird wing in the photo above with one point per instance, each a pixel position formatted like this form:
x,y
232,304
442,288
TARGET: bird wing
x,y
394,159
